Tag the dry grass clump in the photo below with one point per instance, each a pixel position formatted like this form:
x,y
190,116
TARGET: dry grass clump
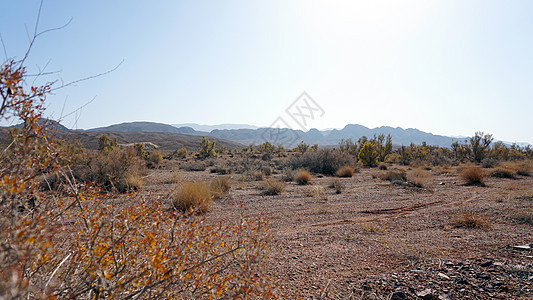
x,y
469,220
346,171
273,186
316,191
302,177
192,196
473,175
220,187
383,166
287,174
503,172
337,186
394,175
419,178
254,175
373,228
522,168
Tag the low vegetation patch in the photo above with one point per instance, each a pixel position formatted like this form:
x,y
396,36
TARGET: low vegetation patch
x,y
346,171
337,186
220,187
503,172
394,175
473,175
273,186
469,220
192,196
420,178
323,161
302,177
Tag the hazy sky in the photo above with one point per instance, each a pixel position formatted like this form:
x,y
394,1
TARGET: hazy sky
x,y
446,67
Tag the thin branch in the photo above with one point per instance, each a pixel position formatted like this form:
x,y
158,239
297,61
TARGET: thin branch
x,y
86,78
3,46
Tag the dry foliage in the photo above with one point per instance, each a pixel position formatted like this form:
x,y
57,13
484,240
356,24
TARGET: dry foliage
x,y
469,220
394,175
220,187
77,243
273,186
473,175
337,186
419,178
503,172
346,171
192,196
302,177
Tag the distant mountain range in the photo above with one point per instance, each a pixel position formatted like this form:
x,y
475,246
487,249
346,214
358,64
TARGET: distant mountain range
x,y
209,128
289,137
169,136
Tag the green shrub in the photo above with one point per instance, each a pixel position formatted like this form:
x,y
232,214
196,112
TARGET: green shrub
x,y
368,155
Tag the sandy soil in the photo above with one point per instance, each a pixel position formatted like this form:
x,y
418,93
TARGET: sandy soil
x,y
377,240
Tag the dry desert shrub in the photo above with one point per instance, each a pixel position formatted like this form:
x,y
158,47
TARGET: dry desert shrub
x,y
473,175
373,228
394,175
316,191
469,220
220,187
337,185
345,171
302,177
192,196
382,166
272,186
81,243
324,161
503,172
419,178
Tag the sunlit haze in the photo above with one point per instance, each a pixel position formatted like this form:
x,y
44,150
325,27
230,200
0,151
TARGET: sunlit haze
x,y
445,67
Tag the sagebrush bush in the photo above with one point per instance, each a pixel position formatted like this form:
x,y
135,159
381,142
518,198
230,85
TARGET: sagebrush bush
x,y
394,175
382,166
470,220
503,172
193,196
419,178
272,186
324,161
154,159
473,175
220,187
302,177
337,186
346,171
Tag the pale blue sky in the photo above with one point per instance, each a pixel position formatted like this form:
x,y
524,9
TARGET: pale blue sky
x,y
446,67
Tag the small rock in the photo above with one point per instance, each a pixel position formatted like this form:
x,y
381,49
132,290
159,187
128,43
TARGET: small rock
x,y
442,275
426,294
523,247
442,183
444,297
498,264
483,276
